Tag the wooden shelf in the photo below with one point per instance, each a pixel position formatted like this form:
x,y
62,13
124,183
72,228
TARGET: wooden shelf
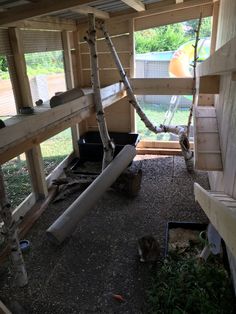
x,y
221,211
220,62
207,150
23,132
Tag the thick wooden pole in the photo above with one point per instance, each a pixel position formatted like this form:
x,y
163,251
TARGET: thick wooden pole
x,y
108,145
33,156
70,84
67,222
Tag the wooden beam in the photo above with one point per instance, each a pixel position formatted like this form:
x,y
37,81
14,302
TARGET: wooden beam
x,y
70,84
221,211
21,84
84,9
220,62
4,309
24,132
157,9
215,18
174,86
132,72
42,7
137,5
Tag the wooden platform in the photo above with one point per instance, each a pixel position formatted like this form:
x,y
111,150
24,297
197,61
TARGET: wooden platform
x,y
221,211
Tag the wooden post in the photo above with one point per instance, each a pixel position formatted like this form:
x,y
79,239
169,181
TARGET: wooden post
x,y
108,145
215,18
132,70
11,232
22,86
70,84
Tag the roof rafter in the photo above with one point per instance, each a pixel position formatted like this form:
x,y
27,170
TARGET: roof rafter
x,y
27,11
84,9
135,4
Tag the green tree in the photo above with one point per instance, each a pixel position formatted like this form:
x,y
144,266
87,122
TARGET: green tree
x,y
164,38
205,31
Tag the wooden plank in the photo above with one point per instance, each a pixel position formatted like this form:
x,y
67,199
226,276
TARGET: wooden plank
x,y
215,18
221,216
135,4
20,68
170,17
173,86
105,61
85,9
160,144
45,23
36,171
31,10
120,42
132,71
33,156
70,84
159,151
46,122
221,62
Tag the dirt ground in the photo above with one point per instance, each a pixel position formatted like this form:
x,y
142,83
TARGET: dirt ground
x,y
100,259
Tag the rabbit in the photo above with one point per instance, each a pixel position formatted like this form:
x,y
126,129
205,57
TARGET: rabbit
x,y
148,249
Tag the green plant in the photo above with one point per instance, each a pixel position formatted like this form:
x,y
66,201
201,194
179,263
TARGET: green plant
x,y
183,285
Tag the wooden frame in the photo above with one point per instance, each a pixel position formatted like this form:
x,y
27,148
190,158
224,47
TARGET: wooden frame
x,y
221,211
20,135
174,86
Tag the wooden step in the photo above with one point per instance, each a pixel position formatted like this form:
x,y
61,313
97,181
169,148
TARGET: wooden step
x,y
207,150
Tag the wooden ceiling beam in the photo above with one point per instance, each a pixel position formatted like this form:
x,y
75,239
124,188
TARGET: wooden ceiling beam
x,y
84,9
135,4
43,7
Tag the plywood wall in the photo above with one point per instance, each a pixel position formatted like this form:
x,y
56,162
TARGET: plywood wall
x,y
118,116
226,107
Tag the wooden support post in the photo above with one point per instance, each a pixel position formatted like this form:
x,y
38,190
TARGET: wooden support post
x,y
132,71
33,156
70,84
215,18
35,165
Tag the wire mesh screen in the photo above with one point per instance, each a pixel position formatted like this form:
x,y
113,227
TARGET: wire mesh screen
x,y
46,74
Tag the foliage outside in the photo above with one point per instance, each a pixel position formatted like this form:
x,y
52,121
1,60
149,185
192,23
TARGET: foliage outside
x,y
170,37
183,286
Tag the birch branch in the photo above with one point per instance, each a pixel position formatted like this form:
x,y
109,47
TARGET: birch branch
x,y
108,145
10,228
195,46
180,131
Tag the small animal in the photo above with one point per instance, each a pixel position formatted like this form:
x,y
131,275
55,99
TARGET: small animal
x,y
148,249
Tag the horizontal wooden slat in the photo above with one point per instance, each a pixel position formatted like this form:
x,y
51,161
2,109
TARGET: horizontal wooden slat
x,y
222,216
121,43
165,18
105,61
159,151
160,144
222,61
173,86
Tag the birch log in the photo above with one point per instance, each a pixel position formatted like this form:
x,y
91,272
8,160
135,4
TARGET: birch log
x,y
180,131
10,229
67,222
108,145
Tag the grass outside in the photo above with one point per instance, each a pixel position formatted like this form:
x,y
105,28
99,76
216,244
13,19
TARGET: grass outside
x,y
156,113
16,173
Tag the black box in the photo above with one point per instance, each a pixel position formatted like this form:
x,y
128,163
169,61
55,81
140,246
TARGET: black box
x,y
91,149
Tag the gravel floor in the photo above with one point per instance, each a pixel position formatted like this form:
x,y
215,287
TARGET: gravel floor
x,y
100,259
